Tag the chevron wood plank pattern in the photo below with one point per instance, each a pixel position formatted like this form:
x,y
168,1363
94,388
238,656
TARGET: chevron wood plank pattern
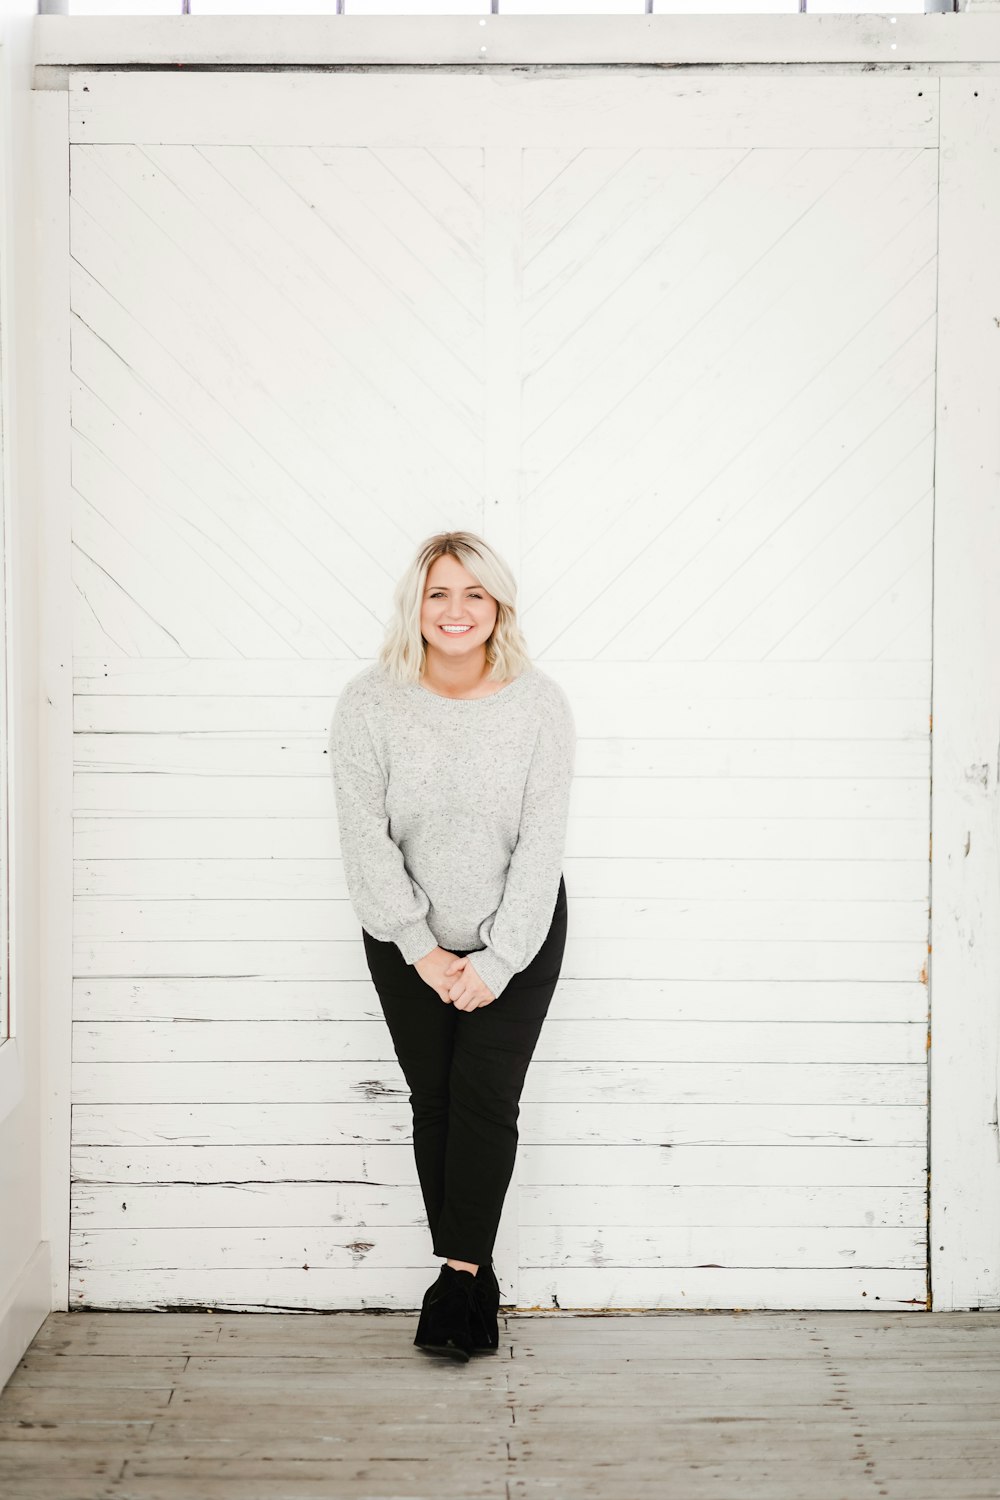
x,y
686,381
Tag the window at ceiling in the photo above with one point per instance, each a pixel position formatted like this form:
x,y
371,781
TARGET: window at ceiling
x,y
489,7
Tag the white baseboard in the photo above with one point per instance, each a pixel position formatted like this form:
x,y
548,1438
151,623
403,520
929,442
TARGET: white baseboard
x,y
25,1309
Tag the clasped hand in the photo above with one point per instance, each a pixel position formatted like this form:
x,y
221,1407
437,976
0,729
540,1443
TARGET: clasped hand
x,y
454,978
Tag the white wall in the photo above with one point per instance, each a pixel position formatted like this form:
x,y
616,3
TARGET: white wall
x,y
964,1101
728,1106
25,1278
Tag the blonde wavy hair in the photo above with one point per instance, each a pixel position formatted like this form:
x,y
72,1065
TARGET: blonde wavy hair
x,y
404,649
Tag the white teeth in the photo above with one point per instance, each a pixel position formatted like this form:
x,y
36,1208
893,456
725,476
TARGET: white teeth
x,y
456,629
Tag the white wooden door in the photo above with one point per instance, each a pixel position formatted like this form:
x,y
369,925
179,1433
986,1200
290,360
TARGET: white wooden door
x,y
669,341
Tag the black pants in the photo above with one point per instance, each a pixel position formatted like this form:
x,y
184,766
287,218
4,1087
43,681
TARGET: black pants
x,y
466,1070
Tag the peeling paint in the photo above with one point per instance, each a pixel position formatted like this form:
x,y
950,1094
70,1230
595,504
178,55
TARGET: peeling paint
x,y
376,1088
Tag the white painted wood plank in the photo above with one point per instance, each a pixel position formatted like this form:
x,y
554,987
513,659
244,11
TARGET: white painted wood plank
x,y
51,423
156,1142
774,1204
503,477
595,958
396,1199
165,836
588,880
371,1205
660,1164
310,1082
600,1245
706,1287
787,1042
540,40
605,1243
874,1166
270,754
731,798
965,975
303,677
214,999
161,831
602,917
640,717
162,1143
503,110
360,1288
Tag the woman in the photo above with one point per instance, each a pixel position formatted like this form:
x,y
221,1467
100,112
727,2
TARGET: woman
x,y
452,758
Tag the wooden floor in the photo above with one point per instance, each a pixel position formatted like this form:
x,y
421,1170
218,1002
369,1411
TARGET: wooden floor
x,y
694,1406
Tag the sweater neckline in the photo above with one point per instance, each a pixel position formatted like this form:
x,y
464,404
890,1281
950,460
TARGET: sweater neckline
x,y
426,693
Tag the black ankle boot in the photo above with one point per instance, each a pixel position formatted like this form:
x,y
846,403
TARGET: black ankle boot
x,y
485,1330
445,1325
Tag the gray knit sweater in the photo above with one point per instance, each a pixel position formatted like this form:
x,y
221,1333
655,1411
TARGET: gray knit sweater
x,y
452,814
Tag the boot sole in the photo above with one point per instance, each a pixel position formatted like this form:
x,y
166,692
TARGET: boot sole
x,y
454,1351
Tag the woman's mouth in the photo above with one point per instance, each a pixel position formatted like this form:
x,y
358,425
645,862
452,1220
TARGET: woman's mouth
x,y
455,629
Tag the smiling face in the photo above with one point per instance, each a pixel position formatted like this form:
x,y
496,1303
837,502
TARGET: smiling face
x,y
453,597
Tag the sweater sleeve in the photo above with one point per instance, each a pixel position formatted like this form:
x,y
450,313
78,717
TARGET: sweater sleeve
x,y
516,930
387,902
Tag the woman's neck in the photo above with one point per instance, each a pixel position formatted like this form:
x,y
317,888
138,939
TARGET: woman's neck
x,y
454,679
